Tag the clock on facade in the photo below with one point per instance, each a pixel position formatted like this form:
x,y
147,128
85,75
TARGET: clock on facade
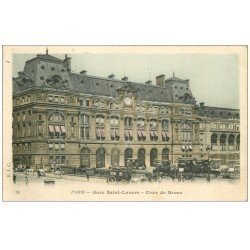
x,y
127,101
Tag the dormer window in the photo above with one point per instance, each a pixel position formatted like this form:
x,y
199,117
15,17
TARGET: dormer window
x,y
55,80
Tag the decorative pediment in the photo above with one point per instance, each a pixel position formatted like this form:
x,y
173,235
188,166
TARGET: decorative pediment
x,y
187,98
128,88
58,83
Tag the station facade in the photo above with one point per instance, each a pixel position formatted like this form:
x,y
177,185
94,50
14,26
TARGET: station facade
x,y
79,120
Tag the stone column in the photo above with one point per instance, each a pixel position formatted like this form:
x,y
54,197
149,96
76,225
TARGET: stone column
x,y
92,127
121,128
107,128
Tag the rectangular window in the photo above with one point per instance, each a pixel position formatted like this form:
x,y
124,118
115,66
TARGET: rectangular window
x,y
51,160
56,146
87,103
63,159
62,100
56,98
57,160
50,146
39,129
87,133
72,130
50,98
62,146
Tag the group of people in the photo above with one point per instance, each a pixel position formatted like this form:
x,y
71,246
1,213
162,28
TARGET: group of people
x,y
25,178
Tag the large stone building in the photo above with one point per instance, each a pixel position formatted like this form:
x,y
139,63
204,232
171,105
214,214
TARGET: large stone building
x,y
70,119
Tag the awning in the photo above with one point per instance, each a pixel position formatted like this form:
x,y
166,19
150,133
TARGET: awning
x,y
112,132
156,134
166,134
143,134
139,133
183,147
98,132
102,132
152,133
117,132
163,134
130,132
63,129
190,147
57,129
51,128
126,133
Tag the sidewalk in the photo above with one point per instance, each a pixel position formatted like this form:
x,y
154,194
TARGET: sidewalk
x,y
81,178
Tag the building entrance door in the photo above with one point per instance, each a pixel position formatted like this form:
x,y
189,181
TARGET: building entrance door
x,y
141,156
100,157
128,154
153,156
115,157
85,157
165,154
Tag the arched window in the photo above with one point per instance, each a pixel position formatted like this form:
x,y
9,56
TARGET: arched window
x,y
115,157
85,157
223,142
127,154
141,157
165,154
153,123
100,157
153,156
114,120
141,122
165,124
99,120
214,138
231,142
128,121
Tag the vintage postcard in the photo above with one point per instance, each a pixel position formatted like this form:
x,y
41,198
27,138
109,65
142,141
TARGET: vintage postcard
x,y
124,123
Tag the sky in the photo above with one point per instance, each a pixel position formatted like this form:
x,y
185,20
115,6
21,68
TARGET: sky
x,y
214,79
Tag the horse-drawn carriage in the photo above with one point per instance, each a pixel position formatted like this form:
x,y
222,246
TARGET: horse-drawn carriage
x,y
126,175
162,168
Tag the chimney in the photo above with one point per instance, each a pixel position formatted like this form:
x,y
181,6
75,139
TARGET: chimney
x,y
111,77
67,63
201,104
148,82
160,80
125,79
83,72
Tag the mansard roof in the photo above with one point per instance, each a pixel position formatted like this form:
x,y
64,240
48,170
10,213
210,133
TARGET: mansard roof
x,y
107,87
46,57
176,79
219,112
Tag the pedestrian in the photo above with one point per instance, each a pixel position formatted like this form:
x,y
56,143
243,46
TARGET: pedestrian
x,y
208,178
14,178
26,179
87,175
38,173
